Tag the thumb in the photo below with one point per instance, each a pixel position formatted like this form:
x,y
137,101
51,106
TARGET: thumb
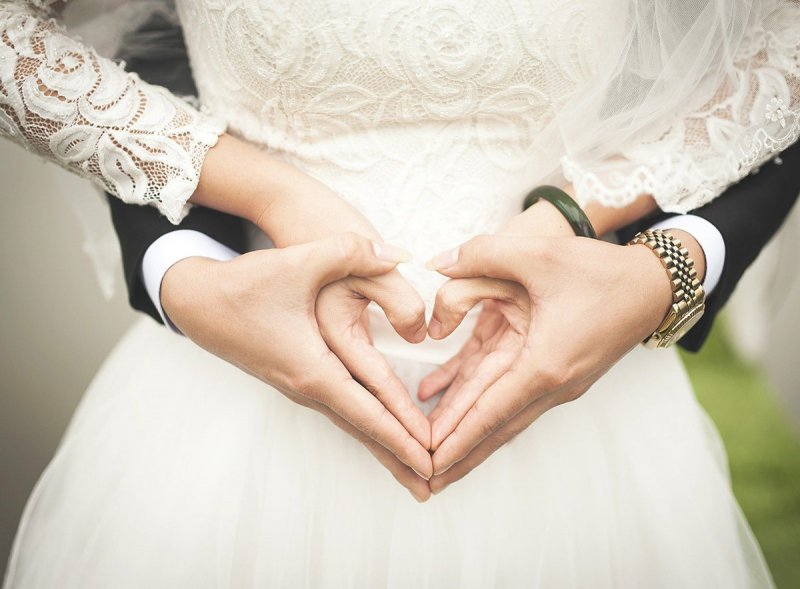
x,y
401,304
490,256
456,297
349,254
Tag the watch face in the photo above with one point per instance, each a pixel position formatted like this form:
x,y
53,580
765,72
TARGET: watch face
x,y
682,327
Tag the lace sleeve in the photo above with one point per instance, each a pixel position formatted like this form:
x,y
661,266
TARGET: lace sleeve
x,y
718,137
62,100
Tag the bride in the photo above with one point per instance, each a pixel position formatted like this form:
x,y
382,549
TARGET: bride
x,y
357,136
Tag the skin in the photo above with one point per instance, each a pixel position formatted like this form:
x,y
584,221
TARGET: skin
x,y
232,308
533,268
259,313
537,283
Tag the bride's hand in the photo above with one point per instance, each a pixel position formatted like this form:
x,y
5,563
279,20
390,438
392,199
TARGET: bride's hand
x,y
257,311
582,305
344,326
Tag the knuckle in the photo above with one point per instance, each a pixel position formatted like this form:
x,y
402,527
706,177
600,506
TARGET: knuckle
x,y
481,242
543,252
349,244
410,313
308,385
379,385
449,295
552,376
372,427
489,419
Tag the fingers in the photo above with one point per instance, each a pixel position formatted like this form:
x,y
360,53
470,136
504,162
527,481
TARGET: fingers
x,y
417,486
442,377
456,297
489,371
370,368
488,446
333,386
498,405
401,303
491,256
334,258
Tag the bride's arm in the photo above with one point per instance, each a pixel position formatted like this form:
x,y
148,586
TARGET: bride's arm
x,y
62,100
719,97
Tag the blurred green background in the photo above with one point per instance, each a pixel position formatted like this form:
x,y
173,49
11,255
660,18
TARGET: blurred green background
x,y
763,447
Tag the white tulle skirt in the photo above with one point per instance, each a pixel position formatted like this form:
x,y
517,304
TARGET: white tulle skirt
x,y
179,471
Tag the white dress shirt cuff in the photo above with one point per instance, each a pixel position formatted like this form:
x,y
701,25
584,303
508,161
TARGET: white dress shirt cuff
x,y
709,238
174,247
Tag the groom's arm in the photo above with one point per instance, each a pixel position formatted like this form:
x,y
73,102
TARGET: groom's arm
x,y
144,234
746,216
150,243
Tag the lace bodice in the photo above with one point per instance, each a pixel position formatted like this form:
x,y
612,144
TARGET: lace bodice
x,y
433,118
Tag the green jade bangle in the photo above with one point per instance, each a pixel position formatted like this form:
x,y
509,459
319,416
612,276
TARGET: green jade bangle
x,y
574,215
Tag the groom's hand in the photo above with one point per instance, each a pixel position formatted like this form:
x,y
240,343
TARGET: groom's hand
x,y
258,312
344,325
564,311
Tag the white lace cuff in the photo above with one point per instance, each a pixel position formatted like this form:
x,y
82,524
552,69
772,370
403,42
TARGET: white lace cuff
x,y
62,100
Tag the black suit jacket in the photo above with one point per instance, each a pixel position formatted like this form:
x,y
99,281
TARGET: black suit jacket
x,y
747,215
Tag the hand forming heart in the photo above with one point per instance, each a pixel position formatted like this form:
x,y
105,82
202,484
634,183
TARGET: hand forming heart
x,y
560,313
545,334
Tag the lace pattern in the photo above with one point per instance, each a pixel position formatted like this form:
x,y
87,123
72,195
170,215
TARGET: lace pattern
x,y
747,121
60,99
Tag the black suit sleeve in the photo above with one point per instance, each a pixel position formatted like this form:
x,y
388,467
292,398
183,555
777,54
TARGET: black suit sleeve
x,y
747,215
157,53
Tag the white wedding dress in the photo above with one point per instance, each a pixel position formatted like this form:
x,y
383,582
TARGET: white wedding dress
x,y
433,118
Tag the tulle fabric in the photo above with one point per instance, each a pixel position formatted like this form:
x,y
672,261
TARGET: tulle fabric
x,y
180,471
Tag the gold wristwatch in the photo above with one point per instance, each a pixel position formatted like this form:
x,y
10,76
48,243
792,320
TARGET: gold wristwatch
x,y
688,296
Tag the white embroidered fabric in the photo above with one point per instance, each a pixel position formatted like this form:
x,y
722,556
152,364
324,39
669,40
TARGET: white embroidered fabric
x,y
677,101
60,99
628,97
459,108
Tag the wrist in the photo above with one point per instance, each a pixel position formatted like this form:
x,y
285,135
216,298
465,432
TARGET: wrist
x,y
651,287
696,252
688,296
185,285
606,219
542,219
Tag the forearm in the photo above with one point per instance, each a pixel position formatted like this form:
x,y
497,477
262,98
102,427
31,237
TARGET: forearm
x,y
84,112
287,204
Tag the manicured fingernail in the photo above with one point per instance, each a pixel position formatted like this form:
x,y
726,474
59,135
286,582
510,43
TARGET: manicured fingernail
x,y
435,328
444,260
391,253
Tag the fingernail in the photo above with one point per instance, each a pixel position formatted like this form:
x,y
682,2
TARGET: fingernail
x,y
435,328
420,475
444,260
390,253
421,334
437,490
436,473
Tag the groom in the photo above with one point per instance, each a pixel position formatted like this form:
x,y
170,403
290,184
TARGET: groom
x,y
157,256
